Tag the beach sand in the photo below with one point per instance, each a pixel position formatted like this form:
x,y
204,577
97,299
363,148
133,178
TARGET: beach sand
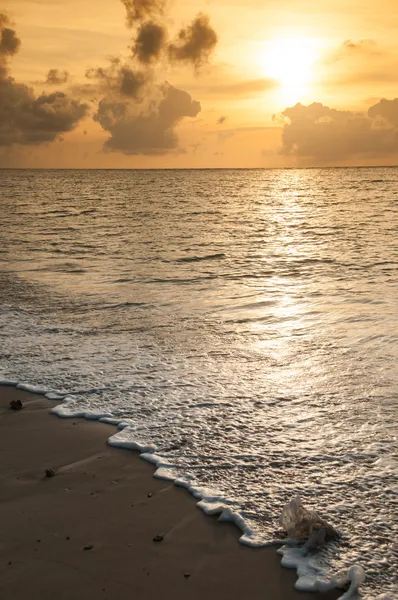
x,y
105,499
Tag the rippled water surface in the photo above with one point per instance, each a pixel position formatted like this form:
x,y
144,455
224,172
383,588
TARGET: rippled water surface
x,y
243,323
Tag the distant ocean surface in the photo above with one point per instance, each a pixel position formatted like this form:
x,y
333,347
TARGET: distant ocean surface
x,y
241,327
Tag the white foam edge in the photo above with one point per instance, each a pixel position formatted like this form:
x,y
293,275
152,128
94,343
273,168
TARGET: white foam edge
x,y
33,389
292,557
26,387
308,580
55,396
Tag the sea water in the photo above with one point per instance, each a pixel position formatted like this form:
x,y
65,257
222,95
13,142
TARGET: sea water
x,y
239,327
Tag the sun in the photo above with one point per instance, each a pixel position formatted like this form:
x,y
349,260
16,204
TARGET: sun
x,y
291,62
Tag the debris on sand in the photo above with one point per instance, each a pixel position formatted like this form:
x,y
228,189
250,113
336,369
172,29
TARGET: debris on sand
x,y
50,473
16,405
303,525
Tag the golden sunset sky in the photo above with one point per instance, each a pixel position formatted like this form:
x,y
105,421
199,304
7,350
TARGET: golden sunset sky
x,y
248,63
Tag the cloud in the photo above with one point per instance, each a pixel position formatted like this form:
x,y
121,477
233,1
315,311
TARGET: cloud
x,y
118,79
320,133
57,77
362,46
360,62
29,120
194,43
139,128
25,118
131,82
9,42
139,10
140,115
387,109
149,42
221,120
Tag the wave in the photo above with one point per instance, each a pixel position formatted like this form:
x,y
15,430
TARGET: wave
x,y
188,259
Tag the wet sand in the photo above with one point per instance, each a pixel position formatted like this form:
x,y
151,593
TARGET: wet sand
x,y
105,500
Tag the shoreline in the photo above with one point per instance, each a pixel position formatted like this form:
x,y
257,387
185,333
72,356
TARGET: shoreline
x,y
106,500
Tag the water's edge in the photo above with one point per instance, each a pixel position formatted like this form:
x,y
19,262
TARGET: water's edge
x,y
292,556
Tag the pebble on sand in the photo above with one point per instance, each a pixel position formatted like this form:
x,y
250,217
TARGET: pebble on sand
x,y
16,405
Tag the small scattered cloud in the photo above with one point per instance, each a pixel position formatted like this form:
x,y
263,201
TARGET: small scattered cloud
x,y
57,77
9,43
361,46
139,10
117,78
221,120
194,43
149,43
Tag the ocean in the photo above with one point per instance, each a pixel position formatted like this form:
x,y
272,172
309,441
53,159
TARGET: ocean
x,y
239,328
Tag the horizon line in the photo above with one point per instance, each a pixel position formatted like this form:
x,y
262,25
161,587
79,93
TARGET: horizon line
x,y
197,168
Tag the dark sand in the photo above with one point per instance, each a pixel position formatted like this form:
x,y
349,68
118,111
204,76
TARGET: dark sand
x,y
99,497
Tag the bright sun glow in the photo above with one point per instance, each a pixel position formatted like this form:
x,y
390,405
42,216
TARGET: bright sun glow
x,y
291,61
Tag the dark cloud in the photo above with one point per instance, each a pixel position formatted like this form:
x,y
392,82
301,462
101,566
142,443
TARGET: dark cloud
x,y
149,43
221,120
131,82
24,117
139,10
9,42
27,119
117,78
150,129
325,134
140,116
57,77
194,43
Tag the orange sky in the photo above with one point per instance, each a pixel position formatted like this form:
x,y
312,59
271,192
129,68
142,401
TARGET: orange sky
x,y
342,55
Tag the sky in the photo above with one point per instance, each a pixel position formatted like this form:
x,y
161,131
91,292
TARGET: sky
x,y
183,84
